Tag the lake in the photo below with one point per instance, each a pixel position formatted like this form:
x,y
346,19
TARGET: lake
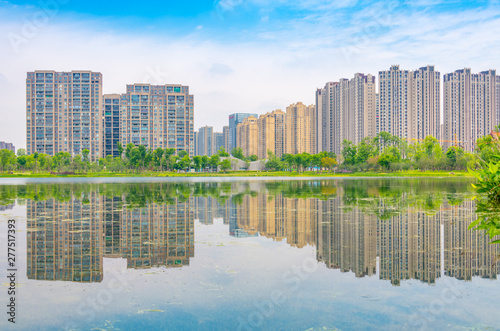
x,y
246,254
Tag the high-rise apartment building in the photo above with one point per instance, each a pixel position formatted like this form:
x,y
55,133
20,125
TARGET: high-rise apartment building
x,y
158,116
361,120
300,124
498,99
205,140
67,112
64,112
395,102
271,127
426,98
247,136
408,103
218,142
9,146
470,106
234,120
346,111
225,133
112,125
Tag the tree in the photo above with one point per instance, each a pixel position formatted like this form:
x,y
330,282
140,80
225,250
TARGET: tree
x,y
328,162
197,160
85,158
289,159
222,152
158,157
182,153
119,147
349,152
253,158
35,157
7,158
225,165
21,152
238,153
205,162
214,161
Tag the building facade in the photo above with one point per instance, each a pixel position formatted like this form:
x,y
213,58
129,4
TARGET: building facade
x,y
8,146
64,112
470,107
67,112
111,124
300,124
234,120
426,99
158,116
395,102
218,142
247,136
346,111
271,127
205,141
225,133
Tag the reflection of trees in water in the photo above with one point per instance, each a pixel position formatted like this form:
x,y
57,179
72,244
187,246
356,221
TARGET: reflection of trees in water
x,y
351,222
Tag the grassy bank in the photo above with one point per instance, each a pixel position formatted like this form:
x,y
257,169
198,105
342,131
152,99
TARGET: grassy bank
x,y
411,173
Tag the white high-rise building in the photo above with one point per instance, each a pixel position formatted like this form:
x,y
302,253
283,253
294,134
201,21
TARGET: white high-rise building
x,y
345,110
470,106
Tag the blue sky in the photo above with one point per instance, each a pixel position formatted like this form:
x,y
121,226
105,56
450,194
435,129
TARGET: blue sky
x,y
236,55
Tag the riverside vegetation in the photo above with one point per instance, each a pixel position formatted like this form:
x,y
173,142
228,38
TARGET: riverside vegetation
x,y
383,153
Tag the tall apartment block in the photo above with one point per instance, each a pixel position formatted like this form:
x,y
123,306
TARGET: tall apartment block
x,y
158,116
205,141
9,146
346,110
333,103
218,142
470,106
112,125
234,120
408,103
426,98
498,99
300,124
247,136
395,102
64,112
271,127
320,124
225,133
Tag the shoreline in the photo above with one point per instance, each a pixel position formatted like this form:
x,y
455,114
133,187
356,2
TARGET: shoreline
x,y
253,174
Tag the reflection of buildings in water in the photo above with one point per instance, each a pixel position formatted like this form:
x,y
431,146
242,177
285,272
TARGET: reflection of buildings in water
x,y
208,208
64,239
158,235
468,253
346,238
68,240
407,243
279,218
7,207
409,247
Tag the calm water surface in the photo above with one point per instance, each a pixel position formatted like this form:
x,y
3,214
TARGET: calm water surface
x,y
124,254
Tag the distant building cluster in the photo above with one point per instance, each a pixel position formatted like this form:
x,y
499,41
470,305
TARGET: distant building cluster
x,y
68,112
9,146
277,131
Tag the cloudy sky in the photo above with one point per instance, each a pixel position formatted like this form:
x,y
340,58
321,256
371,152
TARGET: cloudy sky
x,y
236,55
